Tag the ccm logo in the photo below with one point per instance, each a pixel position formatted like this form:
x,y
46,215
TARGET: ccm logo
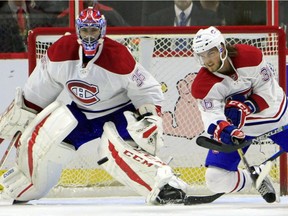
x,y
140,159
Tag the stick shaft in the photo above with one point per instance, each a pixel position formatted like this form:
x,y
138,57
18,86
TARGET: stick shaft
x,y
12,143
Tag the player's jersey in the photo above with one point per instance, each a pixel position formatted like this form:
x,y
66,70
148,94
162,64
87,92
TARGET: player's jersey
x,y
110,81
254,78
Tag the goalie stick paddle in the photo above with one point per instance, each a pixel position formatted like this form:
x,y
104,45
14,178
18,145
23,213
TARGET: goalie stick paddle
x,y
12,143
221,147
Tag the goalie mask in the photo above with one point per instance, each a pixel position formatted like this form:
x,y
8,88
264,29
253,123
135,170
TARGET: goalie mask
x,y
205,40
90,29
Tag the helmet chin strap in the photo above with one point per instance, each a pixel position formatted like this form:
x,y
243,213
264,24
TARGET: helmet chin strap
x,y
222,60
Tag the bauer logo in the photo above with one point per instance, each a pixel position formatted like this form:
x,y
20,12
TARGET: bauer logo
x,y
5,175
84,92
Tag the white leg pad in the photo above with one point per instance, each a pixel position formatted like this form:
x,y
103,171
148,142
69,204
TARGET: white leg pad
x,y
42,154
130,166
220,180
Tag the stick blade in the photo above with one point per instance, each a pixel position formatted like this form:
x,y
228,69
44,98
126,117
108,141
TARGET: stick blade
x,y
194,200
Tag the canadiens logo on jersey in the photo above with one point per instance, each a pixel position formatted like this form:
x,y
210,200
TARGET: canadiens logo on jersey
x,y
84,92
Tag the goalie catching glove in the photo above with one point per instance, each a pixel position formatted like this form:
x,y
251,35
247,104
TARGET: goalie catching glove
x,y
148,131
16,117
225,132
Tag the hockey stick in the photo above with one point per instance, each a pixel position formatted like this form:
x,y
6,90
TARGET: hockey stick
x,y
218,146
221,147
12,143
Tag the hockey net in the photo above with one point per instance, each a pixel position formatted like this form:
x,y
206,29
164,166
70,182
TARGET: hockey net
x,y
166,53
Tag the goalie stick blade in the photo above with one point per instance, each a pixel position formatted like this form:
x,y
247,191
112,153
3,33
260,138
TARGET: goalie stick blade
x,y
218,146
194,200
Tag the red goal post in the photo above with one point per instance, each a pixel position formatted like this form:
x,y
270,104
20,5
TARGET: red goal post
x,y
166,53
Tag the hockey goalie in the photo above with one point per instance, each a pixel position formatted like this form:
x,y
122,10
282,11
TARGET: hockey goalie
x,y
113,99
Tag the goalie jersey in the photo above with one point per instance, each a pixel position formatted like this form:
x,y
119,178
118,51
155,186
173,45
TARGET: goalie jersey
x,y
109,81
254,78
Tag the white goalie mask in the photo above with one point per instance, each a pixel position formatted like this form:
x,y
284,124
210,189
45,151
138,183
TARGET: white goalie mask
x,y
206,39
90,29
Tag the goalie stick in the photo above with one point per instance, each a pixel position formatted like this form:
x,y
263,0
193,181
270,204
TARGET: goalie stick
x,y
221,147
12,143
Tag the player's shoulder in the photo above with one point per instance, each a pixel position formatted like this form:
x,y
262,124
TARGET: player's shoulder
x,y
203,83
248,56
115,57
65,48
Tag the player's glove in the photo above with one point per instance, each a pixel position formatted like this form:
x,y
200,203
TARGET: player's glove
x,y
236,112
146,129
225,132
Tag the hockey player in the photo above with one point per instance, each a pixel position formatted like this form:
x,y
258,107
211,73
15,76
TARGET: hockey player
x,y
110,92
239,98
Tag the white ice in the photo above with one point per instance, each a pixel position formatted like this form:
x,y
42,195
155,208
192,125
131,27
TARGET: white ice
x,y
232,205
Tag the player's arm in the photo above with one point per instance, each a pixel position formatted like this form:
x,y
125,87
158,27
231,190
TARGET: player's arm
x,y
145,126
264,88
43,86
39,91
263,85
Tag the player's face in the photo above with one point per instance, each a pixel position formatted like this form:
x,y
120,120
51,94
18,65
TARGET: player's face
x,y
211,59
89,34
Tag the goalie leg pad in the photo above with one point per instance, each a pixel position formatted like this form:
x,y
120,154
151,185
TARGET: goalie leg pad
x,y
224,181
42,154
133,167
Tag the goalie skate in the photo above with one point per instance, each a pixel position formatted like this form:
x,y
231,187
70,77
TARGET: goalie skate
x,y
171,195
167,189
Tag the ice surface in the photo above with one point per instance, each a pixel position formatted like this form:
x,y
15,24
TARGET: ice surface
x,y
232,205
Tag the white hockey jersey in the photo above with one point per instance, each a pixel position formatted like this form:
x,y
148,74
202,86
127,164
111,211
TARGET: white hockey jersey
x,y
254,78
110,80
